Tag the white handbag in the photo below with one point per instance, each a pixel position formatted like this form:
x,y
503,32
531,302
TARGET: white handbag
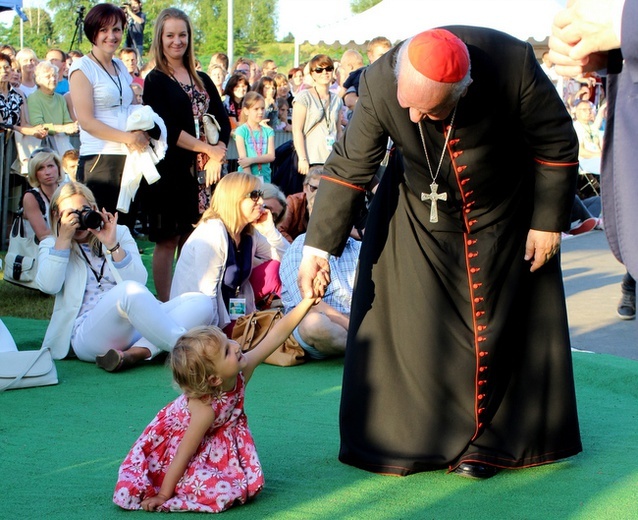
x,y
26,369
211,129
21,262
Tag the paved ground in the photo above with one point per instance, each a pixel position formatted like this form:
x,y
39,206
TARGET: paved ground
x,y
592,283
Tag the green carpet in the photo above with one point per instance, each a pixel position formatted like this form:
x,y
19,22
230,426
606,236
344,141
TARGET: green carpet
x,y
60,448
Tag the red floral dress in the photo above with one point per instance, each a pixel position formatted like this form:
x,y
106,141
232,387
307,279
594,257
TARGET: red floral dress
x,y
224,470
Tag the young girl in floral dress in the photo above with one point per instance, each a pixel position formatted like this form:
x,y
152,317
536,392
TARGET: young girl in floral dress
x,y
198,453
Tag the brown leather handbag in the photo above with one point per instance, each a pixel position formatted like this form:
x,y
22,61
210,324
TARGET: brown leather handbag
x,y
249,330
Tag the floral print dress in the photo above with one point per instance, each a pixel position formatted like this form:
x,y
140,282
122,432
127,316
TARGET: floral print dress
x,y
224,470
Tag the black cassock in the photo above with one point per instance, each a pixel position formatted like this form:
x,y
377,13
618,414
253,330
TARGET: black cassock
x,y
456,352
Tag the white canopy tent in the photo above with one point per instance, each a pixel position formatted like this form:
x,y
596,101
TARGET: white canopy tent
x,y
400,19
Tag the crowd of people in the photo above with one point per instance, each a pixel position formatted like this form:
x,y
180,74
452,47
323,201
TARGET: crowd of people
x,y
220,236
228,243
585,97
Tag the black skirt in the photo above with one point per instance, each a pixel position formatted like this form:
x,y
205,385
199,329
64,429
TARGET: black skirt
x,y
456,352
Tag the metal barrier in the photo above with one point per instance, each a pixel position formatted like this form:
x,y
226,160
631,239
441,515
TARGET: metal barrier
x,y
10,187
280,138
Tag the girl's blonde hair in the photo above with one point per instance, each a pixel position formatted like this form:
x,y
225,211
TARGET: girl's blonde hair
x,y
64,192
37,160
227,197
192,363
250,100
157,49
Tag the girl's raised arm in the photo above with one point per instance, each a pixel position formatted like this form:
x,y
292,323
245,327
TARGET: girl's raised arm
x,y
277,336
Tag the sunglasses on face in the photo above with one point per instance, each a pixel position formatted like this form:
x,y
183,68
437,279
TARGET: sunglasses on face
x,y
312,187
255,195
329,68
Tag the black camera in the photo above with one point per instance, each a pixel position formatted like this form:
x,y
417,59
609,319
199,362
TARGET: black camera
x,y
80,10
125,5
88,218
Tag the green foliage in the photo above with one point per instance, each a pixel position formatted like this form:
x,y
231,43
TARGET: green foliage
x,y
254,33
38,32
254,24
358,6
66,22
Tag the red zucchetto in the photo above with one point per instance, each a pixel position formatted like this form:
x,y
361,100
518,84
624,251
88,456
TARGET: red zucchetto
x,y
439,55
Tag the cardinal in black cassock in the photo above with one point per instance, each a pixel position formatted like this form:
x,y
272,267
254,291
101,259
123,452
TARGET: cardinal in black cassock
x,y
458,350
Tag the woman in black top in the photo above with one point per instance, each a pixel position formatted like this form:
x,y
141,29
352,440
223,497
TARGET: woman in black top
x,y
181,96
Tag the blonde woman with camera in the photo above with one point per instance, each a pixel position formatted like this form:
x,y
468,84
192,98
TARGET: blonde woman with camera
x,y
103,310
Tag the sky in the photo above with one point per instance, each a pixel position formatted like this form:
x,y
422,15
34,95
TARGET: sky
x,y
314,12
291,12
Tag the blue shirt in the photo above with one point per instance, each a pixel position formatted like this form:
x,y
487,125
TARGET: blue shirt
x,y
342,273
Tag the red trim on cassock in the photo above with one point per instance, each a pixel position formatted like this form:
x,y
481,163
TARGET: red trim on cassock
x,y
474,286
560,164
343,183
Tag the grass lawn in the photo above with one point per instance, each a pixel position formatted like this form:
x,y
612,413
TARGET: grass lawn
x,y
21,302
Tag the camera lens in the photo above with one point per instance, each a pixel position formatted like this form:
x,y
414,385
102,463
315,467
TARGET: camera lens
x,y
89,219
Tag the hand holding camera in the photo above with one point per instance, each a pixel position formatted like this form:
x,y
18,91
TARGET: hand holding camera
x,y
87,218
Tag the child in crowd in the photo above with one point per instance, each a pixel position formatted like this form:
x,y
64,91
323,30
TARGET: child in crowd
x,y
255,139
70,164
284,110
235,91
266,87
138,90
198,453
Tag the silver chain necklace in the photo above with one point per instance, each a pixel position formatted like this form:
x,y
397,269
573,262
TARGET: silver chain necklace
x,y
434,196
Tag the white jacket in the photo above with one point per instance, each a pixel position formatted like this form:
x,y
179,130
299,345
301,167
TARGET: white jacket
x,y
202,262
66,277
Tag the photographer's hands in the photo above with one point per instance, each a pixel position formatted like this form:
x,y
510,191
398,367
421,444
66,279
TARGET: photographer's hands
x,y
107,234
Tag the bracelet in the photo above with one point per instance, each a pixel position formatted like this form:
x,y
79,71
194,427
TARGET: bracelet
x,y
113,249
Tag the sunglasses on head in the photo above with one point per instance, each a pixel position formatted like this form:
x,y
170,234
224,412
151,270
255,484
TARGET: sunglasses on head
x,y
255,195
40,150
329,68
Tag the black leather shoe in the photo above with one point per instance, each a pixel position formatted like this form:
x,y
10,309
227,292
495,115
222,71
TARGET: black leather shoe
x,y
474,470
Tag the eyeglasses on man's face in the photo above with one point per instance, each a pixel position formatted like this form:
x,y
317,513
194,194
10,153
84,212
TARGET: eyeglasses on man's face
x,y
255,195
319,70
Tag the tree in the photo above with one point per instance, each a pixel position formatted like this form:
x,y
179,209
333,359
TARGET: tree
x,y
358,6
255,22
38,32
67,19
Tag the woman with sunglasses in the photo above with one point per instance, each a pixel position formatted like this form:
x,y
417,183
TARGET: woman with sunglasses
x,y
233,254
315,116
103,310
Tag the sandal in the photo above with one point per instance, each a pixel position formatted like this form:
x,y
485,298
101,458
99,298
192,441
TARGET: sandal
x,y
112,361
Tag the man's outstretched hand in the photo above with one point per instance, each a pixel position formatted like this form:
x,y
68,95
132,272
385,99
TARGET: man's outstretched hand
x,y
313,277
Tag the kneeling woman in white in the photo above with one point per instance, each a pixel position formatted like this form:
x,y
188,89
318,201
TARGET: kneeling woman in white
x,y
102,308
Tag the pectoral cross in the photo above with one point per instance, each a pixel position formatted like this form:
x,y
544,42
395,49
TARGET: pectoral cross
x,y
434,197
